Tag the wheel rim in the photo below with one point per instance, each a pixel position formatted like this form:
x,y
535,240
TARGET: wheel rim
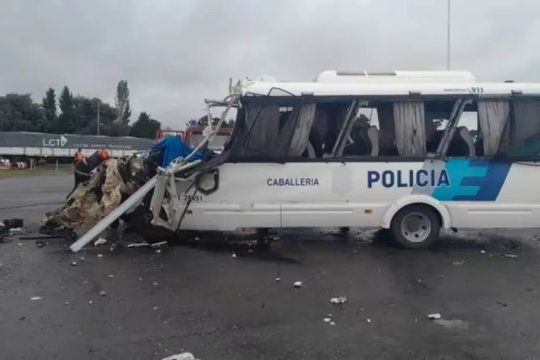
x,y
415,227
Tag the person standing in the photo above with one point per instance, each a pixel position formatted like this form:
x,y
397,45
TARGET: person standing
x,y
79,167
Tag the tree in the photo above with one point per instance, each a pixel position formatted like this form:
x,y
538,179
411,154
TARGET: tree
x,y
19,113
49,109
67,122
145,126
122,102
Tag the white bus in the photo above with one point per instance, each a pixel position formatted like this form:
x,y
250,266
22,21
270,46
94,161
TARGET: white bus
x,y
410,151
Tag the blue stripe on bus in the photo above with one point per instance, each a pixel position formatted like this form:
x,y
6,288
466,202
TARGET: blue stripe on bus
x,y
473,180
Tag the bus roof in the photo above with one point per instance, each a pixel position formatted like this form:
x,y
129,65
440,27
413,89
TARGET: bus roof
x,y
337,83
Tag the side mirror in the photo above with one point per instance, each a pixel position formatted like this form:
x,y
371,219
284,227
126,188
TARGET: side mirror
x,y
208,182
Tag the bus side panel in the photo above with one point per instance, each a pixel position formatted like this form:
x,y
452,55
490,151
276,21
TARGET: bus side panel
x,y
496,194
241,200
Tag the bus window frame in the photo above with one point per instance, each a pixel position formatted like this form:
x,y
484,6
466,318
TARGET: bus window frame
x,y
460,102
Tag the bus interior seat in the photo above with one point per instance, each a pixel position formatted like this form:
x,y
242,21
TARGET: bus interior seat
x,y
373,136
462,143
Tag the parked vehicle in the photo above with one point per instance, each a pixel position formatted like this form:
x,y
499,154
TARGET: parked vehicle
x,y
408,151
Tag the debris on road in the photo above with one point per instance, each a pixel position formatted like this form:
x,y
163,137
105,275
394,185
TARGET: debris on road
x,y
35,298
298,284
73,263
99,255
511,256
137,245
434,316
234,255
482,251
368,320
110,183
100,241
40,243
327,319
159,244
458,262
182,356
331,323
278,279
102,293
338,300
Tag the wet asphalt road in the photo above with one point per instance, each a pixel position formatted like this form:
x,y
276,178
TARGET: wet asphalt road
x,y
199,298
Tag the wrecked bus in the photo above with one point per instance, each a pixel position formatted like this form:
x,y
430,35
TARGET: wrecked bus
x,y
409,151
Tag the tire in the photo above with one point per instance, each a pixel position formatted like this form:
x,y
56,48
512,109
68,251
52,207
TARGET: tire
x,y
415,227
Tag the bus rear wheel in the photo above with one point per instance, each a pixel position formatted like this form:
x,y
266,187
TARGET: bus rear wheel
x,y
415,227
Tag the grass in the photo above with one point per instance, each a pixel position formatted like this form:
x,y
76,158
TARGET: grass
x,y
48,169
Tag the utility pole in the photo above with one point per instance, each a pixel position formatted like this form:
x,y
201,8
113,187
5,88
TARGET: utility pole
x,y
448,39
98,120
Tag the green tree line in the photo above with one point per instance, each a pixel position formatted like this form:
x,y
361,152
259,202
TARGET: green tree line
x,y
75,114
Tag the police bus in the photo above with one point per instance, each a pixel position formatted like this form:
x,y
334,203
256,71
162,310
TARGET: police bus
x,y
410,151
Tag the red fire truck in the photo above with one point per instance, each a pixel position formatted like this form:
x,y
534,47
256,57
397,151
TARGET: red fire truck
x,y
193,135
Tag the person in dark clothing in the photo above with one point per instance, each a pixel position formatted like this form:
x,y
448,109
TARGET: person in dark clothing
x,y
80,167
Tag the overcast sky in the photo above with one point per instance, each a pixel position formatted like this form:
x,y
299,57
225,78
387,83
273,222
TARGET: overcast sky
x,y
175,53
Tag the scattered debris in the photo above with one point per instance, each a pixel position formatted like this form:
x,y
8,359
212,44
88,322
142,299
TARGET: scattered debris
x,y
278,279
368,320
338,300
113,179
81,258
331,323
298,284
99,255
159,244
102,293
512,256
73,263
136,245
155,308
90,302
327,319
34,298
502,303
434,316
182,356
110,275
155,283
40,243
482,251
158,251
234,255
100,241
67,303
458,262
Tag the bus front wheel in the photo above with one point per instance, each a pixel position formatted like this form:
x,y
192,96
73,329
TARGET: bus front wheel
x,y
415,227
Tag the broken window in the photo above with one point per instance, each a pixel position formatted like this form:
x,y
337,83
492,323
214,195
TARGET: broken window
x,y
400,128
288,129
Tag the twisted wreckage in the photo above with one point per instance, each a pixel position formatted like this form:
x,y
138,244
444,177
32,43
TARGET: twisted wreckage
x,y
388,150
